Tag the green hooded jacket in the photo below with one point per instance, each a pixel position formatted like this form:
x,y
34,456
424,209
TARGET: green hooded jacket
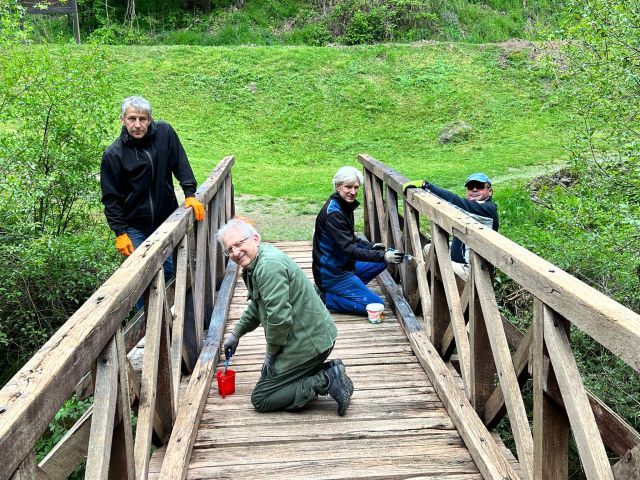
x,y
296,323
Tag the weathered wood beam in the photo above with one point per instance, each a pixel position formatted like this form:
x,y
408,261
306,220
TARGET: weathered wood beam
x,y
483,449
178,451
34,395
583,424
504,366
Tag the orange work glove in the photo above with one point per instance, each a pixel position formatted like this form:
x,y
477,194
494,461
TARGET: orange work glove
x,y
124,244
198,207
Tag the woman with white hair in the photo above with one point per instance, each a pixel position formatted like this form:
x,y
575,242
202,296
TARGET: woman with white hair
x,y
343,264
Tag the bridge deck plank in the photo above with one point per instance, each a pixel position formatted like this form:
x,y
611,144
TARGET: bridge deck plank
x,y
396,426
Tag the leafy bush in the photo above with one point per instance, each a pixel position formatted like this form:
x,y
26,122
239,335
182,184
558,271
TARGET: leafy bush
x,y
54,125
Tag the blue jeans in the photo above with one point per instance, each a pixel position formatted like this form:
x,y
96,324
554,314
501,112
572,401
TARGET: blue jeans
x,y
348,293
137,238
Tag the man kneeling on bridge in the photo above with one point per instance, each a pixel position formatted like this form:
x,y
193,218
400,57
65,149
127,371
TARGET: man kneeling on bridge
x,y
298,329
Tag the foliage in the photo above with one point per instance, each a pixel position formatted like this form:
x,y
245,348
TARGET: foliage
x,y
68,414
318,22
54,122
11,13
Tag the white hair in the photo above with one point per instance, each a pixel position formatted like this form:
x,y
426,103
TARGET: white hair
x,y
139,104
347,175
243,227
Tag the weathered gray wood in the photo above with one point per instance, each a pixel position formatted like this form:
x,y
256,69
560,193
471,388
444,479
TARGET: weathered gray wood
x,y
372,226
380,210
504,366
202,267
33,396
412,232
550,425
628,467
453,302
183,436
440,314
147,406
609,323
104,409
394,221
122,459
165,406
27,469
483,368
177,331
583,425
485,452
495,407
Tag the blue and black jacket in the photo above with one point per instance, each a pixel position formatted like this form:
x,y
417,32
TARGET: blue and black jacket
x,y
335,245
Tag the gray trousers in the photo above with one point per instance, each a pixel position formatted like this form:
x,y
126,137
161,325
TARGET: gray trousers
x,y
292,389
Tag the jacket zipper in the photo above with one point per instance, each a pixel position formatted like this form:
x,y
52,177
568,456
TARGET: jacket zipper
x,y
153,175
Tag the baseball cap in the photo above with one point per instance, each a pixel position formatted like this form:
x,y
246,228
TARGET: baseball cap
x,y
478,177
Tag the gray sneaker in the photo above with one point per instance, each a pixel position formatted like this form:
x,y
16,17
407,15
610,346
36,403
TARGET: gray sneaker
x,y
339,385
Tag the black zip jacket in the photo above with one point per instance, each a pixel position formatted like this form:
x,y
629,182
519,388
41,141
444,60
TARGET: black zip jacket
x,y
135,176
485,208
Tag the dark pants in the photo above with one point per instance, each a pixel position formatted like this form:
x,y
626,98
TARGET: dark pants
x,y
137,238
292,389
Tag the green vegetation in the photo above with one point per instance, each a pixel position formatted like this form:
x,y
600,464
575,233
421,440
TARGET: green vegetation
x,y
555,126
303,22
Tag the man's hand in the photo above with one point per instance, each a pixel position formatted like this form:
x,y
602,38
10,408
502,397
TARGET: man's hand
x,y
198,207
413,184
124,244
230,345
378,246
394,256
268,369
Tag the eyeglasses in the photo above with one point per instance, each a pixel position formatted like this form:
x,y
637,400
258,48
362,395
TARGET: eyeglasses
x,y
476,186
229,250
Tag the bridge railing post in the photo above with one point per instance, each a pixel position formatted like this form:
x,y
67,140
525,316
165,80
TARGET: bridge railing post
x,y
92,354
495,358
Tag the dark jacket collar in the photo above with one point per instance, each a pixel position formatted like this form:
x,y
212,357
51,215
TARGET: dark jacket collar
x,y
134,142
346,206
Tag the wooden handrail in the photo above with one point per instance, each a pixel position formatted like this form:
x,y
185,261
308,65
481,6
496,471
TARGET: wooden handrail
x,y
430,291
34,395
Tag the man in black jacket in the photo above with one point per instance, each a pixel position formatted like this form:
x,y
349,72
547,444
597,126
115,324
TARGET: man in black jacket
x,y
478,204
343,264
136,177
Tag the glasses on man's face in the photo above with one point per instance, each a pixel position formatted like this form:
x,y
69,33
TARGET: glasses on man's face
x,y
476,186
227,252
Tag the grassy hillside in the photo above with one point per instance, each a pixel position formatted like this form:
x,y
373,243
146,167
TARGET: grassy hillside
x,y
292,116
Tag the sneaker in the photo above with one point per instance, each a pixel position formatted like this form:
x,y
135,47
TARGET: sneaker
x,y
338,386
337,362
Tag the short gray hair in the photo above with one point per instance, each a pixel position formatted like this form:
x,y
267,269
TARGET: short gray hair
x,y
347,175
246,229
139,104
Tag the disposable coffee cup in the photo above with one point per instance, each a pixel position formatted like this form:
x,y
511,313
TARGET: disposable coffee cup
x,y
375,312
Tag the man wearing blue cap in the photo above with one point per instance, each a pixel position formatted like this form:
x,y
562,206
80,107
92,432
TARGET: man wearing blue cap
x,y
478,204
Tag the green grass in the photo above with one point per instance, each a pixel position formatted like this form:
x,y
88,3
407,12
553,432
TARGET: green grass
x,y
293,115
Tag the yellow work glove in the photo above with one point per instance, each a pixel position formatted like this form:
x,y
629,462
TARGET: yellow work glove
x,y
198,207
124,244
412,184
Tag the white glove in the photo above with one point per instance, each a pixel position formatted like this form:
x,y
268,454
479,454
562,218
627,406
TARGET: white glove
x,y
393,256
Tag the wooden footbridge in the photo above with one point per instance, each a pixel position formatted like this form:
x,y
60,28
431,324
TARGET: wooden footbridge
x,y
431,382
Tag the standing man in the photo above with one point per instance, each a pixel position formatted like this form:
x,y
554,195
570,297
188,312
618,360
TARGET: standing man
x,y
298,329
136,177
478,204
343,264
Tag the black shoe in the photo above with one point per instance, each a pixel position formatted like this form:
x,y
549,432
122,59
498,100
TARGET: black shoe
x,y
338,386
337,362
